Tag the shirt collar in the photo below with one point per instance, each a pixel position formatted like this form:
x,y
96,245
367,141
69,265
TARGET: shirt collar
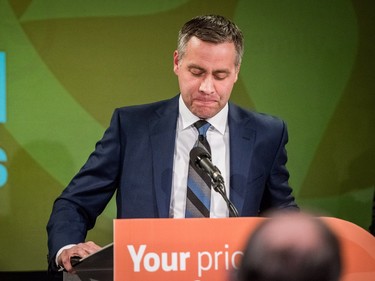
x,y
219,121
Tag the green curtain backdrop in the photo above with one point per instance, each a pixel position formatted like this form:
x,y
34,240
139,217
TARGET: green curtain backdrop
x,y
69,64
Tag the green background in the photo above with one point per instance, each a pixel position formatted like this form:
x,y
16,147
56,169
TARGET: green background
x,y
70,63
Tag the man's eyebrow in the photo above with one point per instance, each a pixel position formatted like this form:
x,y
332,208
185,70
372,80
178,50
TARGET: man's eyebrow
x,y
196,67
227,71
218,71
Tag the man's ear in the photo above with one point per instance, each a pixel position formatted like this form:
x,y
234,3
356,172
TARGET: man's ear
x,y
175,62
237,72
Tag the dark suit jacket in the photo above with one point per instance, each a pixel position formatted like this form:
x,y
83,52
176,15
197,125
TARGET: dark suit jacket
x,y
135,158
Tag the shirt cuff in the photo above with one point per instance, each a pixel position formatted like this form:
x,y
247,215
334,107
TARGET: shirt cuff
x,y
60,267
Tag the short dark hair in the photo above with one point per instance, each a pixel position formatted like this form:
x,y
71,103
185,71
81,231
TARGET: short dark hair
x,y
263,262
211,28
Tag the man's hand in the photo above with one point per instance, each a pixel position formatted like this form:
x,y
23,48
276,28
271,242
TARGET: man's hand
x,y
81,250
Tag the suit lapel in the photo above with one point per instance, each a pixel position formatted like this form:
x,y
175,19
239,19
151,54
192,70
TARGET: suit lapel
x,y
242,137
163,134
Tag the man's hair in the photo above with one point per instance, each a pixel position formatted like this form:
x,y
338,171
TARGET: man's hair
x,y
263,261
214,29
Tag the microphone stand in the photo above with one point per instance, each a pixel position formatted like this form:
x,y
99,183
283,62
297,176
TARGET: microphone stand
x,y
219,187
202,160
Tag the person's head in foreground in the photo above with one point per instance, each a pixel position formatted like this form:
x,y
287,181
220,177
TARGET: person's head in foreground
x,y
291,247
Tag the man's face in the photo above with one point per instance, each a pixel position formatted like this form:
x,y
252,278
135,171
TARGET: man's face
x,y
206,75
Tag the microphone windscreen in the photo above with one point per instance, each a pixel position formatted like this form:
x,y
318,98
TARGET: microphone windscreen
x,y
199,152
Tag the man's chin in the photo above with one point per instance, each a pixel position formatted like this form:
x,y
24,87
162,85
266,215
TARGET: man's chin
x,y
205,113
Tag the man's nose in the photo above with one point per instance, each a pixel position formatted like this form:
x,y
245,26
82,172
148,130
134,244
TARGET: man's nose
x,y
207,85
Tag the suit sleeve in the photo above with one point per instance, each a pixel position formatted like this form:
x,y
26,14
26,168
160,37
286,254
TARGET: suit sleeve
x,y
83,200
278,193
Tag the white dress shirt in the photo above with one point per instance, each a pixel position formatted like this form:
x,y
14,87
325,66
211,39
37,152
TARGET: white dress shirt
x,y
186,136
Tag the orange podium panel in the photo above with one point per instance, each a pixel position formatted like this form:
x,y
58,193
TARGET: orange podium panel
x,y
358,250
208,249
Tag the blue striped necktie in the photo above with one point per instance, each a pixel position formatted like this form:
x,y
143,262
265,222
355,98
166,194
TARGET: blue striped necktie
x,y
198,197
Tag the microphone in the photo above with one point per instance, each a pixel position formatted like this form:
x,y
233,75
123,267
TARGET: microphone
x,y
201,158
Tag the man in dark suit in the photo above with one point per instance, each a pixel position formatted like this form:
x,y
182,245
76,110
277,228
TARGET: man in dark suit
x,y
144,154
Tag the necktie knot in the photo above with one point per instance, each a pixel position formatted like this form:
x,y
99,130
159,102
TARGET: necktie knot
x,y
202,127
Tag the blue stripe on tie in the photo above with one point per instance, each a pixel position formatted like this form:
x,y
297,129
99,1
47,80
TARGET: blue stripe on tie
x,y
194,186
188,214
195,207
203,130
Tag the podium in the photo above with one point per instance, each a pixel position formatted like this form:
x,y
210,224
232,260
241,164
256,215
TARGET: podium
x,y
202,249
98,266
